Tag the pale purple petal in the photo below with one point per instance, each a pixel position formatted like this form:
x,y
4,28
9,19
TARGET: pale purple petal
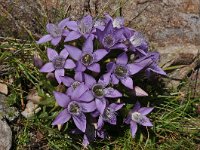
x,y
65,32
147,122
64,53
135,68
145,110
94,67
88,45
120,46
80,67
58,74
112,93
72,25
79,91
155,68
78,76
67,81
51,53
116,106
73,35
128,82
69,64
122,59
50,27
100,104
89,80
45,39
139,92
114,79
63,23
100,122
133,126
99,54
85,141
88,107
105,79
62,99
48,67
62,118
56,40
74,52
86,97
80,122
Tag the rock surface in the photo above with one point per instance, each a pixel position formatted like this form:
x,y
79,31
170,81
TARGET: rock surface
x,y
5,136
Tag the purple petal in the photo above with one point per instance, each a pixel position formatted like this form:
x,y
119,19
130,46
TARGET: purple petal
x,y
78,76
136,107
100,122
73,35
110,66
50,27
80,122
72,25
94,67
99,34
128,82
135,68
89,80
56,40
112,93
69,64
63,23
67,81
95,113
105,79
85,141
65,32
48,67
64,53
122,59
146,122
87,97
99,54
80,67
133,126
44,39
62,118
88,45
127,120
88,107
145,110
114,79
74,52
51,53
155,68
79,91
62,99
58,74
116,107
120,46
140,92
100,104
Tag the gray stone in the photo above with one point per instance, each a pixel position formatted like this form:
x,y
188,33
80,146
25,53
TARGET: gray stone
x,y
5,136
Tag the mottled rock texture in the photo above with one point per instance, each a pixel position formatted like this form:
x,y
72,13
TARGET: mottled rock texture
x,y
5,136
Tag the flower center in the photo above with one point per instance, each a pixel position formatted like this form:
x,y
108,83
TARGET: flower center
x,y
108,41
121,71
137,117
109,114
98,90
87,59
74,108
56,31
136,40
59,62
75,84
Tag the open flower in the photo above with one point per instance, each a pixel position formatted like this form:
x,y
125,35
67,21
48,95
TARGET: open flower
x,y
87,58
109,115
56,31
58,62
138,116
121,70
111,38
74,107
83,27
99,91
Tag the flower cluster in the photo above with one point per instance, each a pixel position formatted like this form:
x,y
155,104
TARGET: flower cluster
x,y
97,62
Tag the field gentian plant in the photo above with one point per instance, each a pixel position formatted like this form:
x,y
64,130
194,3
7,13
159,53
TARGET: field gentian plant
x,y
99,74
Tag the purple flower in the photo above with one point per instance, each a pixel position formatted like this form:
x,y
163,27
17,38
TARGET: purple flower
x,y
109,115
118,22
56,31
57,63
121,70
137,42
74,107
111,38
99,91
87,58
138,116
83,27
